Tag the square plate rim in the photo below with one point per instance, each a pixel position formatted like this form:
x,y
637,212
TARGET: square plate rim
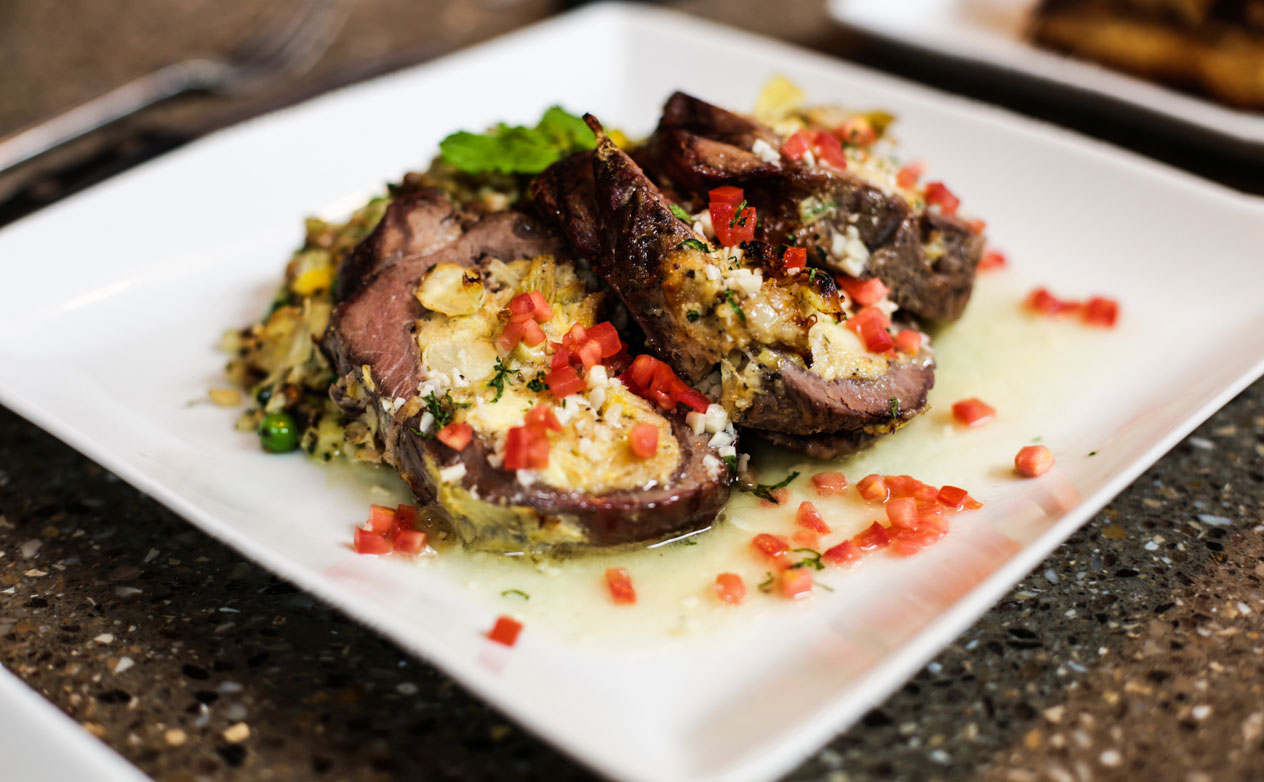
x,y
914,655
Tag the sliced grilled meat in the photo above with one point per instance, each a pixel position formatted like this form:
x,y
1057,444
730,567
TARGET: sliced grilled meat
x,y
651,259
489,507
926,258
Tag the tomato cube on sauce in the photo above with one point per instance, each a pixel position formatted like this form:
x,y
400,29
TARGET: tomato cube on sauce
x,y
991,260
1033,461
1100,311
794,583
809,517
829,483
902,512
619,583
875,537
366,541
973,411
908,175
381,518
409,541
772,547
873,488
505,631
456,435
841,554
908,341
730,588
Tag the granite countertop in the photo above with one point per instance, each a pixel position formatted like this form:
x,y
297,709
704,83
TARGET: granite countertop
x,y
1132,652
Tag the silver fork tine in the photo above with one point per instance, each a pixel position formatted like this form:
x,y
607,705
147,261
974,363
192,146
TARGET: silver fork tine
x,y
296,46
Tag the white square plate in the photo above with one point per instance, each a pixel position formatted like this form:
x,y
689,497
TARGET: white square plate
x,y
114,300
993,32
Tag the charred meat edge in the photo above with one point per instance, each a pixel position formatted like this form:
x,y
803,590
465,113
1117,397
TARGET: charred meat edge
x,y
375,327
638,232
698,146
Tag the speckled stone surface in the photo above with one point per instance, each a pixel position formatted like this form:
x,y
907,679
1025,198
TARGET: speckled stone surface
x,y
1133,652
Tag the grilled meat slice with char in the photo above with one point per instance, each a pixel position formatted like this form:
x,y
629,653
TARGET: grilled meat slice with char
x,y
486,506
926,258
648,260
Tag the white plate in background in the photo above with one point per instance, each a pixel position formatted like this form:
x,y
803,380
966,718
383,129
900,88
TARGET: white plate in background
x,y
993,32
113,302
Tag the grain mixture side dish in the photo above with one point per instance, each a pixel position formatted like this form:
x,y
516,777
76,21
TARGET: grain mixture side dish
x,y
557,336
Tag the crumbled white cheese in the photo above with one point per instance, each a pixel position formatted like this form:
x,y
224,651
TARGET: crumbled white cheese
x,y
852,254
597,376
727,451
589,450
743,462
527,477
697,422
809,158
765,151
712,272
715,419
452,473
613,412
713,465
427,421
722,439
563,413
597,397
745,281
702,224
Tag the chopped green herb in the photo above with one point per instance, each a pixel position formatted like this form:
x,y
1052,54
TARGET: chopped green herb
x,y
1037,438
692,315
731,461
681,213
695,244
517,592
826,587
765,490
813,560
1092,453
441,409
738,219
537,383
686,542
498,380
518,149
895,410
732,300
812,272
766,584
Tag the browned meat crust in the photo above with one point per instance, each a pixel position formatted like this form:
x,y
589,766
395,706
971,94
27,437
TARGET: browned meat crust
x,y
415,224
698,146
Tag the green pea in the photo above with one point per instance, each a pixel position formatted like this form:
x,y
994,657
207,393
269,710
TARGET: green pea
x,y
278,433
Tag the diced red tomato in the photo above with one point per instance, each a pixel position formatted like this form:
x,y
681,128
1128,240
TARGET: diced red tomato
x,y
561,355
520,304
828,150
589,354
409,541
992,259
521,329
526,448
651,379
575,337
874,537
829,483
726,194
1033,461
533,304
794,583
902,486
937,193
902,512
856,130
908,175
929,512
456,435
810,518
795,259
607,337
973,411
1044,302
532,334
381,518
772,546
505,631
564,381
863,292
405,518
871,326
906,542
868,315
542,417
806,538
730,588
1100,311
841,554
643,439
797,145
976,226
908,341
620,585
731,227
953,497
369,542
873,488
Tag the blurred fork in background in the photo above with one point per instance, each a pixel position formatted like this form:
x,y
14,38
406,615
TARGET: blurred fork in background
x,y
290,48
